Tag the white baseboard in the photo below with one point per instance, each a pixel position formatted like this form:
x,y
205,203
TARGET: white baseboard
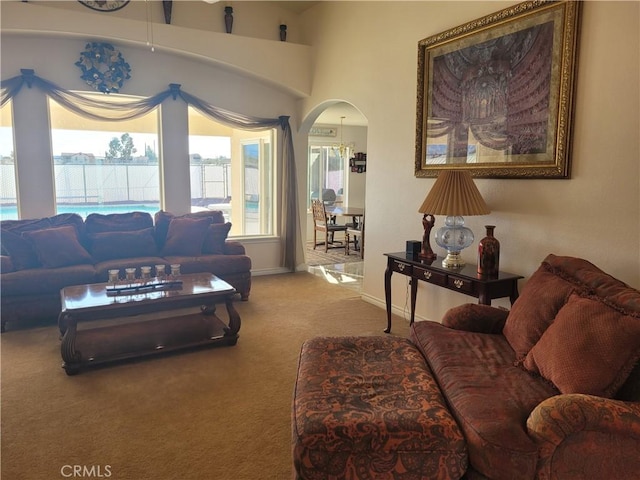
x,y
395,310
269,271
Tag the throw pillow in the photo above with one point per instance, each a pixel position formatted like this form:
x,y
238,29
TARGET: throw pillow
x,y
117,222
162,220
534,310
112,245
186,236
21,251
215,238
58,247
590,348
472,317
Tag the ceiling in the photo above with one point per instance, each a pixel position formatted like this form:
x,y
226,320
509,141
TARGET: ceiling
x,y
352,116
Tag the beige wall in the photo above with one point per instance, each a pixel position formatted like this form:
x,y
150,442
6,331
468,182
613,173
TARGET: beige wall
x,y
365,53
595,215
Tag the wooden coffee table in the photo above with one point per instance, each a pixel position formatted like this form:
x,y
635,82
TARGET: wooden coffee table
x,y
143,323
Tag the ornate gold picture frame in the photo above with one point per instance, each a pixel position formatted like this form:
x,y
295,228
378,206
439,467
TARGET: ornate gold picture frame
x,y
495,95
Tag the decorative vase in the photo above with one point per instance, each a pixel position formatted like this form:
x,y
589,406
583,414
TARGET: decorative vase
x,y
489,254
228,19
167,6
283,33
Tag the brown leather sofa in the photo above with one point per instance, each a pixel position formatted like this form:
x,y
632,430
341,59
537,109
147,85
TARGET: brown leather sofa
x,y
41,256
547,390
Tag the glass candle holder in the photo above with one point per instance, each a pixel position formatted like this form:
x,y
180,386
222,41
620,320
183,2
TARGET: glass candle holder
x,y
175,269
130,274
114,276
160,273
145,272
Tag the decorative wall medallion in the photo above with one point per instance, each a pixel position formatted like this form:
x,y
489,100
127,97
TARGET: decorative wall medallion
x,y
104,5
103,67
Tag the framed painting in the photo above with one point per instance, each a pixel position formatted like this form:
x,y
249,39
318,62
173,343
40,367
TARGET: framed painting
x,y
495,95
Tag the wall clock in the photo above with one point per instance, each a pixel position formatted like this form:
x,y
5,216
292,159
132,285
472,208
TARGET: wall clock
x,y
104,5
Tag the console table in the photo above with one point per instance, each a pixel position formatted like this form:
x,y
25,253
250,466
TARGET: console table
x,y
464,280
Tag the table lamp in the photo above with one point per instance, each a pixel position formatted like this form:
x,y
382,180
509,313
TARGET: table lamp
x,y
453,194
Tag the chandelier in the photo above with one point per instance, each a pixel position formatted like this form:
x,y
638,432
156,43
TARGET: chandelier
x,y
343,148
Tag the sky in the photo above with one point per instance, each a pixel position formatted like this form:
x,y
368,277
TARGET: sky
x,y
71,141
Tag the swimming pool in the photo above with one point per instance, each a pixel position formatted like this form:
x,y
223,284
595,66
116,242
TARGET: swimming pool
x,y
11,212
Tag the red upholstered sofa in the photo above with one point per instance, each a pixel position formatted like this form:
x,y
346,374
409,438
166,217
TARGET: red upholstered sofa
x,y
41,256
550,389
547,390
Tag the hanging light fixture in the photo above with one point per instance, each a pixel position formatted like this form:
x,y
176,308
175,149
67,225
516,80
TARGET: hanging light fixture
x,y
343,149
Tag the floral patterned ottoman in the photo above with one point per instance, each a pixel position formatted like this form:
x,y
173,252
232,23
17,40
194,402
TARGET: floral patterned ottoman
x,y
369,408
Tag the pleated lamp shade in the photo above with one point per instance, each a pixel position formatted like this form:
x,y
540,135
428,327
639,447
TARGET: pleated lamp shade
x,y
454,194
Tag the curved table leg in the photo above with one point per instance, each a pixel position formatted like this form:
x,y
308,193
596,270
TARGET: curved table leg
x,y
71,357
234,319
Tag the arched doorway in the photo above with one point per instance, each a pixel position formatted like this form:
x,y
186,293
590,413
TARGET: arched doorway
x,y
337,135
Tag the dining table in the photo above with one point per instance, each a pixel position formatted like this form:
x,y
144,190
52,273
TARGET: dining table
x,y
356,213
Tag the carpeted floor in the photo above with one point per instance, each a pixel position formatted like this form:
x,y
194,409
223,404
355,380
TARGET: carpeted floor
x,y
218,413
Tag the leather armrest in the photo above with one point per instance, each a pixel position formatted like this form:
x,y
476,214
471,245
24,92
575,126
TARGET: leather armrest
x,y
232,247
472,317
584,436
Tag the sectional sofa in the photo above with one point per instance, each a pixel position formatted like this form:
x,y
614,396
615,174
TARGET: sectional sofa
x,y
41,256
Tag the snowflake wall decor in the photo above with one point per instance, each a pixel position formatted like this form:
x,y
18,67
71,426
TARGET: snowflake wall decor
x,y
103,67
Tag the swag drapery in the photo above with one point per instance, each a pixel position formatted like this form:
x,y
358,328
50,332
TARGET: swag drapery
x,y
110,111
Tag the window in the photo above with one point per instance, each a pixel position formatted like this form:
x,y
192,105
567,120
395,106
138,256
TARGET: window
x,y
232,170
257,172
326,174
104,167
8,192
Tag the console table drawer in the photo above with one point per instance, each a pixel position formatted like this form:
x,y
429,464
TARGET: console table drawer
x,y
457,283
429,276
404,268
463,280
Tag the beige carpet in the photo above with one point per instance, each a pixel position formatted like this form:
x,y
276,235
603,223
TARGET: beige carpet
x,y
212,414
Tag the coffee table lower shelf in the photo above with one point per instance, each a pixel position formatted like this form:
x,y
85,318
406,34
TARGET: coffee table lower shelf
x,y
100,345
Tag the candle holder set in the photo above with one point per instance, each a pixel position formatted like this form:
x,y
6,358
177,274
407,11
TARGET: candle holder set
x,y
145,283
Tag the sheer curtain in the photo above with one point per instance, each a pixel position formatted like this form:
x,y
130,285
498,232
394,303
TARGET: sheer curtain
x,y
111,111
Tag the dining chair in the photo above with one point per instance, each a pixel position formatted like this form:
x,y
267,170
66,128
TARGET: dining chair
x,y
355,235
322,223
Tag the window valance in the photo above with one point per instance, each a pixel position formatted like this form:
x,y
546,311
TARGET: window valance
x,y
116,111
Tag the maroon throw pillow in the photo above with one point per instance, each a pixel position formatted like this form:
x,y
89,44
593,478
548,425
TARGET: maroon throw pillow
x,y
589,348
58,247
534,310
215,238
186,236
162,219
20,250
112,245
117,222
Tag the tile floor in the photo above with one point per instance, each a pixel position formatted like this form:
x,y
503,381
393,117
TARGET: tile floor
x,y
348,275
